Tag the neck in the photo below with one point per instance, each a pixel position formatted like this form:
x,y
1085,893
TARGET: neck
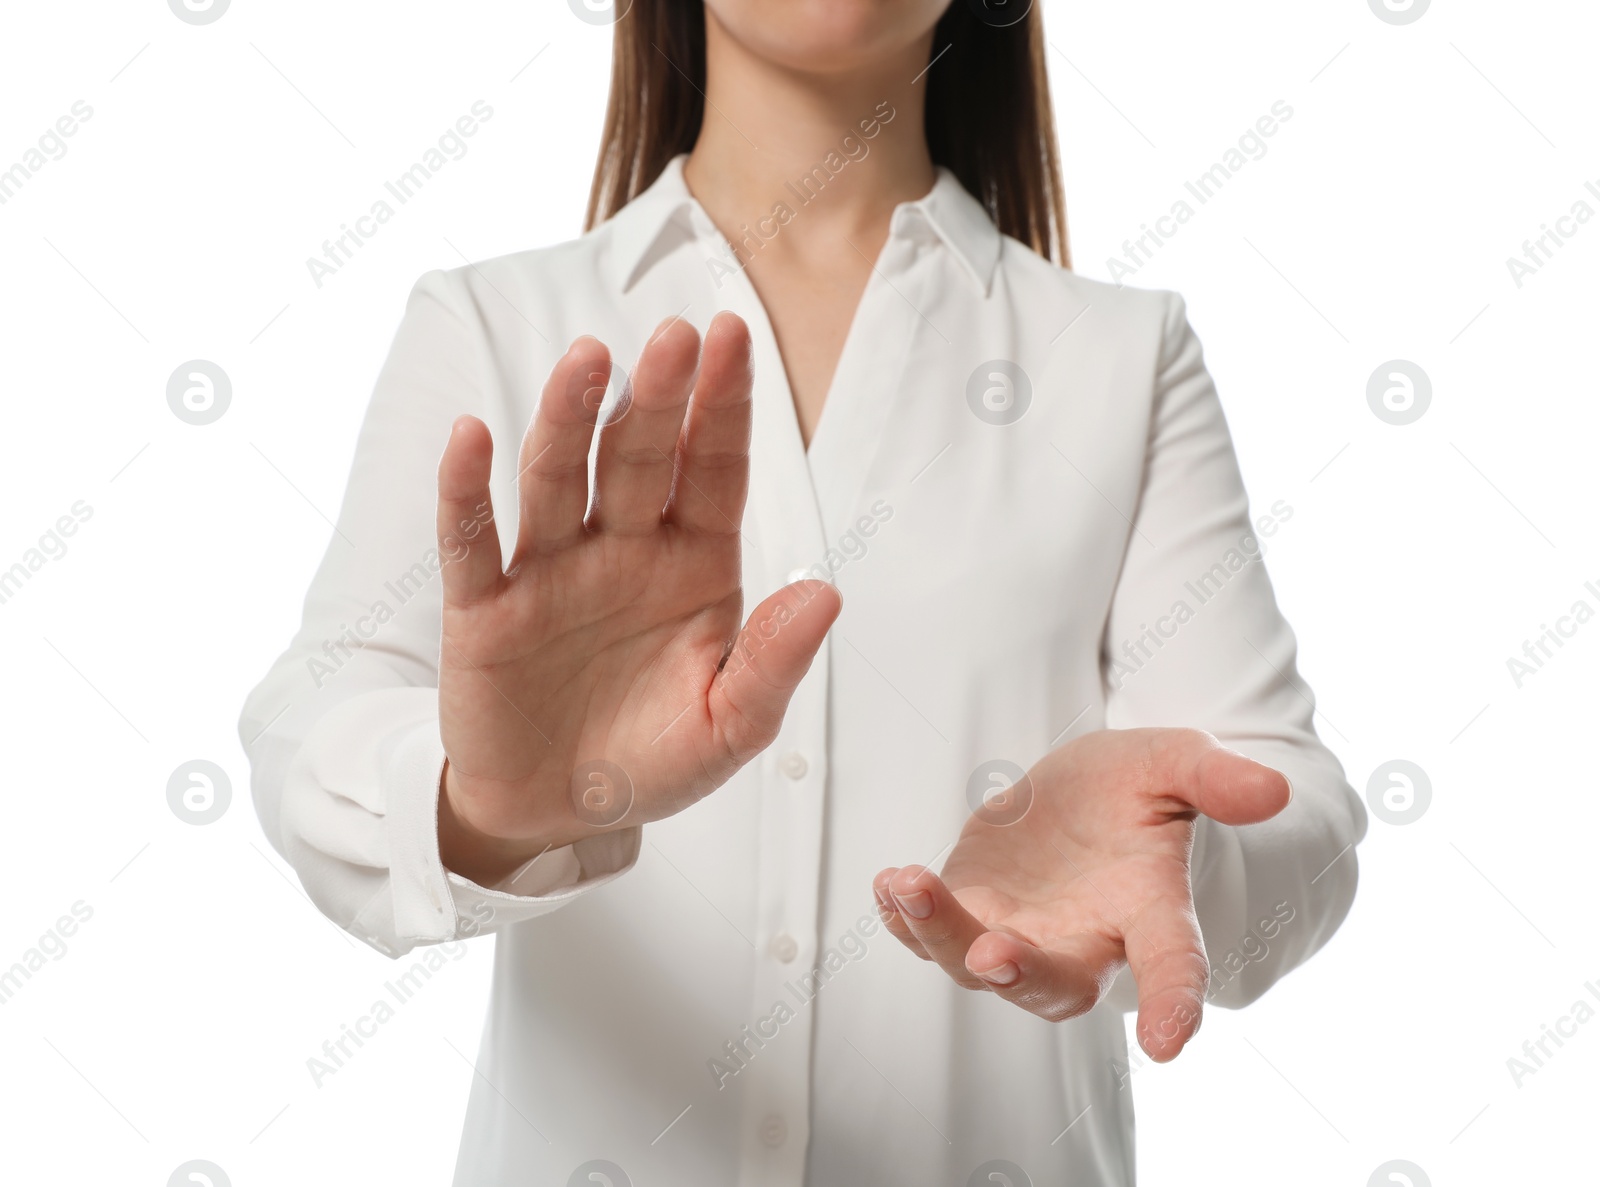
x,y
840,151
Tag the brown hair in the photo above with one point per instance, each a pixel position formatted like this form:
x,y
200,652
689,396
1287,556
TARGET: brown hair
x,y
987,113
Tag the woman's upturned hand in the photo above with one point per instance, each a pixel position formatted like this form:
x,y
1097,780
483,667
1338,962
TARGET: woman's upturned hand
x,y
1080,868
602,680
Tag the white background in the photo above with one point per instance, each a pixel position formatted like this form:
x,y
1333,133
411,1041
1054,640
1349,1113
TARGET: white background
x,y
1419,558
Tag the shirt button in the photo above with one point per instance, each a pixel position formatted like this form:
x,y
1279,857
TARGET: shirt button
x,y
798,575
773,1130
784,947
794,765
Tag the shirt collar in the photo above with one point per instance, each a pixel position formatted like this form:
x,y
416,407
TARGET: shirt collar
x,y
666,213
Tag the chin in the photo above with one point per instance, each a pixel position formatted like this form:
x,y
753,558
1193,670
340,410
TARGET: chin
x,y
827,36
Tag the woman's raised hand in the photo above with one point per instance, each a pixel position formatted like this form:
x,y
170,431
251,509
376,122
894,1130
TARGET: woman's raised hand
x,y
602,679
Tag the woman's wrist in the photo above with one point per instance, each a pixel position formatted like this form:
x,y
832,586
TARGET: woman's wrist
x,y
479,856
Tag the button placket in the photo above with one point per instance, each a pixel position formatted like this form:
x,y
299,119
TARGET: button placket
x,y
776,1083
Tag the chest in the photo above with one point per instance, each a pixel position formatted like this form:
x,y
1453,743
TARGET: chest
x,y
971,463
811,299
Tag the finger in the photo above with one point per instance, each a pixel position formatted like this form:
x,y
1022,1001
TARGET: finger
x,y
1056,984
714,448
769,659
943,927
1168,960
469,542
553,467
1216,781
894,923
638,443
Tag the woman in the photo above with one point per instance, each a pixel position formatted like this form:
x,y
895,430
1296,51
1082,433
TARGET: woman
x,y
1056,676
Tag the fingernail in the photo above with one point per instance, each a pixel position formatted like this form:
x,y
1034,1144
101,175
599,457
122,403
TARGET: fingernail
x,y
918,905
884,901
1003,974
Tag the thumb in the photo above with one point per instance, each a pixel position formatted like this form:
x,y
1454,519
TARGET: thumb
x,y
769,659
1233,789
1202,773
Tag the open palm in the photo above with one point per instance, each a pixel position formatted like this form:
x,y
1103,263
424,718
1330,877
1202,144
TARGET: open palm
x,y
601,680
1080,868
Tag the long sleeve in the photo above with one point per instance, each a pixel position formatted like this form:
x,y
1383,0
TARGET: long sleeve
x,y
343,732
1195,638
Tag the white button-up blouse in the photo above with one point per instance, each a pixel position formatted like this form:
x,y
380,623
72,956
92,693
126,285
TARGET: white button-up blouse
x,y
1023,484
